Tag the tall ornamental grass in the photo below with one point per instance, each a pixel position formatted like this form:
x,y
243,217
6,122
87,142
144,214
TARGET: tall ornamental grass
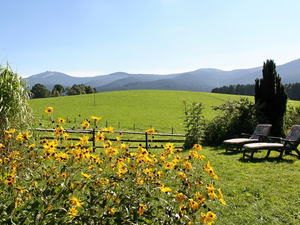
x,y
14,108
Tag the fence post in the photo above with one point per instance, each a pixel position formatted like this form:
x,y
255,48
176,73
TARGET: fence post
x,y
172,130
94,140
106,123
146,140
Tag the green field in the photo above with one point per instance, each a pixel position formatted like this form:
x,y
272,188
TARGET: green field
x,y
128,109
265,191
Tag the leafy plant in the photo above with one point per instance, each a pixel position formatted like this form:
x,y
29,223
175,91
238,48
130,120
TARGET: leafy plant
x,y
194,123
236,117
292,116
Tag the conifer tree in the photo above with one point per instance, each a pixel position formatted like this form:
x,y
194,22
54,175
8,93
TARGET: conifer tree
x,y
271,95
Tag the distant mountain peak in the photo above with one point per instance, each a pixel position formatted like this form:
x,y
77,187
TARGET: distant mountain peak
x,y
199,80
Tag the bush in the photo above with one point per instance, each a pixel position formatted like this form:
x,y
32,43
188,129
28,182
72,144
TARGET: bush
x,y
291,117
236,117
194,123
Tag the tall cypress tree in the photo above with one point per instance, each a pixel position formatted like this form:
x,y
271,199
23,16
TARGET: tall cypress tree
x,y
271,95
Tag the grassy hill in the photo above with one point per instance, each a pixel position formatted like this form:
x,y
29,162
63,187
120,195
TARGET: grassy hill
x,y
128,109
160,109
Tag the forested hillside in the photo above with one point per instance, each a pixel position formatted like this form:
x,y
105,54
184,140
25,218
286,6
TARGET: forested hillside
x,y
293,90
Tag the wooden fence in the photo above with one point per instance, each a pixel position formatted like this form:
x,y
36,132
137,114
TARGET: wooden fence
x,y
156,140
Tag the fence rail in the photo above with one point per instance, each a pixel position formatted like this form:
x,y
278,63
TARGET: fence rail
x,y
147,138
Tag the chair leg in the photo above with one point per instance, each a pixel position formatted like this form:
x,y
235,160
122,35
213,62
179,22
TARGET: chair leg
x,y
252,153
268,153
281,153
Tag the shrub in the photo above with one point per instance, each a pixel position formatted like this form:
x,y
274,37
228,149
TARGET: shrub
x,y
292,117
236,117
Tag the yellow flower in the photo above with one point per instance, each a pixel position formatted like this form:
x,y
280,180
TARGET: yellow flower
x,y
181,175
220,193
11,131
199,182
84,139
58,131
222,201
203,218
182,209
2,146
23,136
193,204
61,120
179,196
197,147
111,210
31,146
49,207
49,110
62,156
7,137
188,165
73,211
96,118
141,209
108,130
86,175
150,131
165,189
66,136
76,202
99,136
210,216
140,181
85,124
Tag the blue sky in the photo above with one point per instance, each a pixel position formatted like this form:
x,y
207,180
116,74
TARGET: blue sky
x,y
98,37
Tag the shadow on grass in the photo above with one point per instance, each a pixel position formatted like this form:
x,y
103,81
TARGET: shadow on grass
x,y
268,159
222,150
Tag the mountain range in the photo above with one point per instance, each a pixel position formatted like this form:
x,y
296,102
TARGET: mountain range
x,y
203,80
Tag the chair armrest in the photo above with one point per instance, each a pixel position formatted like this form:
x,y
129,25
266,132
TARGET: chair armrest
x,y
262,137
273,139
246,135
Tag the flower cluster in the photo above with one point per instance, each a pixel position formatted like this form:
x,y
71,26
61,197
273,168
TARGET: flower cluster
x,y
57,181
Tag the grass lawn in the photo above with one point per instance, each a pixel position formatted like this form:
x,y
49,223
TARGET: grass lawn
x,y
265,191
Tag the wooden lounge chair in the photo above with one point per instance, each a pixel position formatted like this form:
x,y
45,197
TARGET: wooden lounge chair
x,y
236,144
287,145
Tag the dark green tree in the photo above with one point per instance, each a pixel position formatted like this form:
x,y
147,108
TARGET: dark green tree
x,y
270,93
40,91
58,90
75,90
89,89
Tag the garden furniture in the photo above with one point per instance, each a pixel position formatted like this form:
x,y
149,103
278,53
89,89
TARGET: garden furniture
x,y
236,144
281,145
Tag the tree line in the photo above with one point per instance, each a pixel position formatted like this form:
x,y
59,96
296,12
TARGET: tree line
x,y
292,90
40,90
